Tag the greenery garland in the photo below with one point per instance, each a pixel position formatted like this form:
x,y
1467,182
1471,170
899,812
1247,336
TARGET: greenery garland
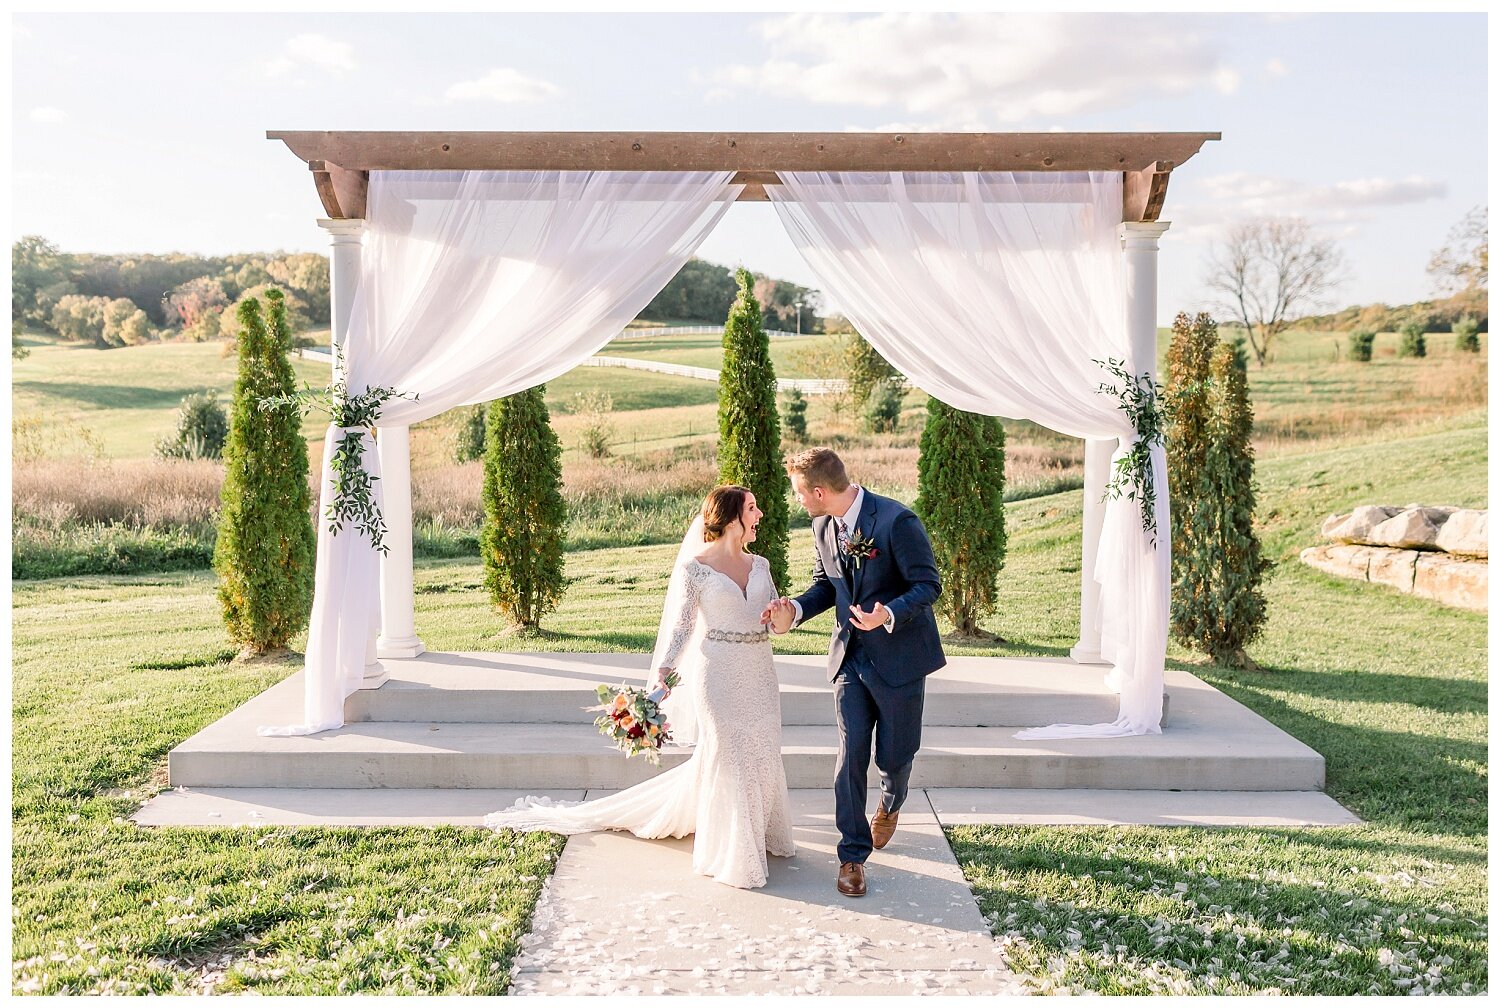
x,y
1141,399
353,500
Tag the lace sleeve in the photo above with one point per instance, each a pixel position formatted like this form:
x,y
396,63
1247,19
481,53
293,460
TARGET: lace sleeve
x,y
693,585
772,592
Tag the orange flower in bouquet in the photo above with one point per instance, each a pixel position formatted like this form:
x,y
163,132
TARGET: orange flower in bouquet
x,y
633,719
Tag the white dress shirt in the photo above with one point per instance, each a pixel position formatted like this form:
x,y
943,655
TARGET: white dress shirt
x,y
848,518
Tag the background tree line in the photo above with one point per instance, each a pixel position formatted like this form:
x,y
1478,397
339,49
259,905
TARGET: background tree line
x,y
703,292
120,300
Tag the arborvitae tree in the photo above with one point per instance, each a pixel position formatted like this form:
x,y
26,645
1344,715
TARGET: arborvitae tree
x,y
882,413
794,412
749,427
266,547
961,501
866,368
1233,610
1466,334
1187,435
1413,340
466,436
525,516
1361,345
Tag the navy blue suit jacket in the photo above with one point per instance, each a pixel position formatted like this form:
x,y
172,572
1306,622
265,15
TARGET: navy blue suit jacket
x,y
902,575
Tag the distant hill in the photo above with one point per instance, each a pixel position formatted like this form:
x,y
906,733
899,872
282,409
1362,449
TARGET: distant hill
x,y
1437,316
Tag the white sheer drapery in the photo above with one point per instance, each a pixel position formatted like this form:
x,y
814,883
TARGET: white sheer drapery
x,y
995,292
475,285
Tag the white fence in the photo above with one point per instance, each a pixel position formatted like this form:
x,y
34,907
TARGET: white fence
x,y
695,330
807,386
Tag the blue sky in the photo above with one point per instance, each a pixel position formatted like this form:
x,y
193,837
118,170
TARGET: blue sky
x,y
145,132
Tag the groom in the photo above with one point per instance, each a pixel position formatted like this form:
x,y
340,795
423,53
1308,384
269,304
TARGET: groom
x,y
875,569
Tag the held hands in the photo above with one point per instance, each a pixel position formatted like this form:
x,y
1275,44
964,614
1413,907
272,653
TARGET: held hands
x,y
872,620
660,684
779,615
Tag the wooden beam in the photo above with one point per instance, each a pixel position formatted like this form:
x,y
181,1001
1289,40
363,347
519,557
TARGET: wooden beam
x,y
749,152
1146,191
342,191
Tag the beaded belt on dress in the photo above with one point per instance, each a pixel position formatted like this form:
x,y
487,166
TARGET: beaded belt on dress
x,y
736,637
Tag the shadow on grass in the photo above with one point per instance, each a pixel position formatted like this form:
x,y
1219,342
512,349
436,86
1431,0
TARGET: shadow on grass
x,y
110,396
1416,779
1127,897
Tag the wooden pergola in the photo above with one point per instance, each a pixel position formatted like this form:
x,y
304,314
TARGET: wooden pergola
x,y
341,162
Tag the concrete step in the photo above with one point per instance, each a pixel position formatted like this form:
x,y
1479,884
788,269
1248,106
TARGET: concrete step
x,y
554,688
951,807
550,757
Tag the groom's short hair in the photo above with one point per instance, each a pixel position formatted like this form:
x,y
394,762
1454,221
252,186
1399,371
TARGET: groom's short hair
x,y
820,467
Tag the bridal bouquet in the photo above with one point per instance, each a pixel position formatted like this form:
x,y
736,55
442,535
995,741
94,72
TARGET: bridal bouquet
x,y
633,719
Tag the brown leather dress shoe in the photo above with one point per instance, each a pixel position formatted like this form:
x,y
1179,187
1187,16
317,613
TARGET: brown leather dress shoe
x,y
882,826
852,878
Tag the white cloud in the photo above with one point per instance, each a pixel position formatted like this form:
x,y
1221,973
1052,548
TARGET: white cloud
x,y
1339,208
1264,194
313,50
48,114
984,69
1276,68
503,84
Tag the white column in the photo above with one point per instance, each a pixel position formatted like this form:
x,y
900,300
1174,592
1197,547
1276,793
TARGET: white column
x,y
1139,239
1096,463
346,236
1139,242
398,633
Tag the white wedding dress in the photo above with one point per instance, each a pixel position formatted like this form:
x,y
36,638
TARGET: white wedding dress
x,y
731,794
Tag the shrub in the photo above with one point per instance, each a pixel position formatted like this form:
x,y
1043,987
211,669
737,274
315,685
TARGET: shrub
x,y
595,408
1466,334
865,368
1361,345
749,426
883,407
1413,340
49,551
466,437
266,546
794,413
202,427
961,501
521,540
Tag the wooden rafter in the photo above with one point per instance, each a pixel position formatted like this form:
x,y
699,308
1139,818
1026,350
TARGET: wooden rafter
x,y
341,160
1146,191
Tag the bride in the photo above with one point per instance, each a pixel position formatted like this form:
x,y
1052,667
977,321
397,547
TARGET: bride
x,y
731,794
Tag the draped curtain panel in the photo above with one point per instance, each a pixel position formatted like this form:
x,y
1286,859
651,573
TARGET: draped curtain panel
x,y
995,292
476,285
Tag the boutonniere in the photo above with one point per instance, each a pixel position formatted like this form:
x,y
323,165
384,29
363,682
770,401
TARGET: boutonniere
x,y
861,548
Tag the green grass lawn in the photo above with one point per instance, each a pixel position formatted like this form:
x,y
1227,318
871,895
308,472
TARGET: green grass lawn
x,y
1390,688
708,351
127,397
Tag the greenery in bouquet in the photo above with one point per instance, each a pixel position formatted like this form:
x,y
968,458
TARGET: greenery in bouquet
x,y
633,720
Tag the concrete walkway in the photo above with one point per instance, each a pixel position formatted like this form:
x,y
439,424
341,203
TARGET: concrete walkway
x,y
916,931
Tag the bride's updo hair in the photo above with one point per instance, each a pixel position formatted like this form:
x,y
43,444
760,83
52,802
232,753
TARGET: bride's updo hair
x,y
721,509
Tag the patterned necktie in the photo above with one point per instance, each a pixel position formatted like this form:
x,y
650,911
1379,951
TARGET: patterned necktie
x,y
843,536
